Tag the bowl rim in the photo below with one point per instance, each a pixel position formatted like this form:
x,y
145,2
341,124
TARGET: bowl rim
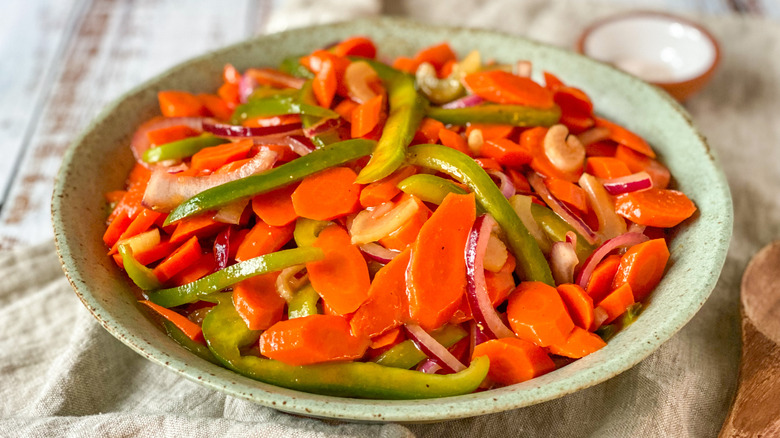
x,y
408,411
580,45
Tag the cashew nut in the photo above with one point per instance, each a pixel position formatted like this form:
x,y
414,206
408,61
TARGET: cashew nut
x,y
358,78
564,151
438,90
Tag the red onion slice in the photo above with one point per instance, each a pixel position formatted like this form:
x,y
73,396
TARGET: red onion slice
x,y
563,261
238,131
429,366
231,213
140,142
246,85
322,127
166,191
378,252
464,102
624,240
610,223
505,184
561,209
433,349
476,287
627,184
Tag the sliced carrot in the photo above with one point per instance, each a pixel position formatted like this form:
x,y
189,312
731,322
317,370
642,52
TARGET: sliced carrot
x,y
387,339
570,193
551,82
187,254
600,283
229,94
518,180
604,148
606,167
642,266
345,108
580,343
489,163
276,208
436,279
201,226
625,137
366,116
514,360
115,229
264,239
616,302
258,302
265,121
386,306
215,105
159,252
503,87
327,194
386,188
325,83
453,140
490,132
170,134
114,196
447,68
341,278
202,267
189,328
145,219
273,78
428,132
436,55
655,207
578,303
214,157
407,233
180,104
506,152
408,65
312,339
355,46
637,162
576,108
537,314
533,141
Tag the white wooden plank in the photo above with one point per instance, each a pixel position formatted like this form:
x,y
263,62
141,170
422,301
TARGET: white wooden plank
x,y
115,47
32,32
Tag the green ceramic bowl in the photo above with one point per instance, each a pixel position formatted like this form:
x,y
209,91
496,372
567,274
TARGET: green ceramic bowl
x,y
100,159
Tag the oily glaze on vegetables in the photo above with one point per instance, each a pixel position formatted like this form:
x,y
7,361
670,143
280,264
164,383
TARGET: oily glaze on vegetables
x,y
423,229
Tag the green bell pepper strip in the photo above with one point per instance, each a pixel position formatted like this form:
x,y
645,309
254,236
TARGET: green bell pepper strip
x,y
515,115
432,188
320,140
142,276
276,261
293,67
195,347
606,332
226,333
531,264
556,229
278,105
406,110
306,230
303,303
631,314
179,149
332,155
406,354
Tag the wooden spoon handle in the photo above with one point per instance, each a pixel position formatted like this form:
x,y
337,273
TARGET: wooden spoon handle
x,y
756,409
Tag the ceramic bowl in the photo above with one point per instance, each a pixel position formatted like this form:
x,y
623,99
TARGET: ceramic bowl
x,y
671,52
100,159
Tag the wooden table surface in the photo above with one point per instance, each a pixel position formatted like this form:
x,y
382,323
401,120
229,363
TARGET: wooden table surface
x,y
64,60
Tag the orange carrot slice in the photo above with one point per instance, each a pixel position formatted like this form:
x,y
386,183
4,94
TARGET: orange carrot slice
x,y
404,236
606,167
503,87
386,307
506,152
189,328
642,266
637,162
625,137
312,339
258,302
600,283
355,46
180,104
578,303
201,226
264,239
215,105
170,134
616,302
453,140
655,207
514,360
537,314
428,132
580,343
276,208
571,194
179,260
490,132
436,279
366,116
214,157
386,188
341,277
436,55
327,195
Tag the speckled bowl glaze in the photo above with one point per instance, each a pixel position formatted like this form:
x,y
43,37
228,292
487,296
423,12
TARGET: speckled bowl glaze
x,y
100,159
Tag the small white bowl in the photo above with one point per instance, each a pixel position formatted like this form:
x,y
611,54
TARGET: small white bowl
x,y
671,52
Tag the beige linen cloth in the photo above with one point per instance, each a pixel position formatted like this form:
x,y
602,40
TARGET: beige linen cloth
x,y
61,374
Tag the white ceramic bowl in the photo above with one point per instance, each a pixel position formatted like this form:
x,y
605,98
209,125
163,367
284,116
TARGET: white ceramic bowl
x,y
671,52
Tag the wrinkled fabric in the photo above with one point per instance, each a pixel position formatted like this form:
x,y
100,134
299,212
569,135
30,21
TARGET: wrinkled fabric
x,y
61,373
